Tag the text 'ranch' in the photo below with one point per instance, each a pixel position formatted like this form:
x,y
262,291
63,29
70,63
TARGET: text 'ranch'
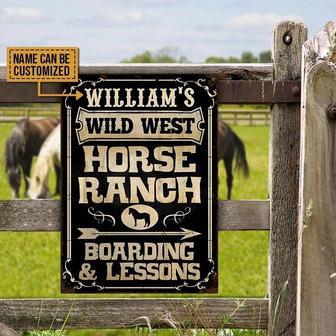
x,y
139,205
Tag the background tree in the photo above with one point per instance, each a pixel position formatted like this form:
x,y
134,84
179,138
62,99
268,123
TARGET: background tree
x,y
218,59
265,56
164,55
248,57
215,59
171,55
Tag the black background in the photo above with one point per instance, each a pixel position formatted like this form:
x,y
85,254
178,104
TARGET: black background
x,y
197,220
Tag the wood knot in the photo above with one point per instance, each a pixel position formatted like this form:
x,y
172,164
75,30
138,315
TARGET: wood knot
x,y
331,112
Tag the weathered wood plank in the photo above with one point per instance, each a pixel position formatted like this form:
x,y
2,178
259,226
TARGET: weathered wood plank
x,y
7,331
119,313
228,91
247,71
27,92
320,47
316,303
243,215
45,215
288,38
317,285
257,92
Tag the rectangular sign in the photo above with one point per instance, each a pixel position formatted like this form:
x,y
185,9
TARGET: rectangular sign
x,y
44,64
140,186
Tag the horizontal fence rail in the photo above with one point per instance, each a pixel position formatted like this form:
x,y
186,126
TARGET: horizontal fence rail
x,y
257,91
235,83
230,116
228,92
45,215
119,313
244,117
221,70
13,114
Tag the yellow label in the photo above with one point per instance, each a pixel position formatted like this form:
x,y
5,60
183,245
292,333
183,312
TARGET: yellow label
x,y
42,64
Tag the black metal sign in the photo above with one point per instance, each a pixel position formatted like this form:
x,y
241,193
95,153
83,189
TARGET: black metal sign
x,y
140,186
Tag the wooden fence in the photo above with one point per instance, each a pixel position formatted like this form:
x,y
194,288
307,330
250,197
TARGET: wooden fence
x,y
12,114
316,308
277,84
231,116
246,117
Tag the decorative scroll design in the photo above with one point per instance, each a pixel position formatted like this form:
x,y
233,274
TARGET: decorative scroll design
x,y
200,284
79,285
177,217
211,92
100,217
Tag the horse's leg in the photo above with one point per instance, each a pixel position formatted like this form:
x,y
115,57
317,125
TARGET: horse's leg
x,y
58,179
228,160
26,166
16,188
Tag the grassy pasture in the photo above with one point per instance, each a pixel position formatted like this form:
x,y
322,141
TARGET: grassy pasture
x,y
30,261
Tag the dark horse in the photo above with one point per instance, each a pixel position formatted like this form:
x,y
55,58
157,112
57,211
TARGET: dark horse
x,y
139,216
22,145
229,145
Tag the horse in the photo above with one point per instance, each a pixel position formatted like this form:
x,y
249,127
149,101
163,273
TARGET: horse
x,y
229,145
48,157
22,145
139,216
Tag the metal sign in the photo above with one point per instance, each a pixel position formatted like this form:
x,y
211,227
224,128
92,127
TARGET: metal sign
x,y
140,186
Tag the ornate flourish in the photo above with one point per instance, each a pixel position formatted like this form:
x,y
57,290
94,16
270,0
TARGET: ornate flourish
x,y
79,285
100,217
74,87
200,284
211,92
177,217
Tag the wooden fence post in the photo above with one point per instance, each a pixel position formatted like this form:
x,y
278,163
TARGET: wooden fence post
x,y
288,38
316,302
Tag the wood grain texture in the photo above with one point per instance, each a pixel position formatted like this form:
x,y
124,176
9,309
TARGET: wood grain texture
x,y
316,308
243,215
27,92
258,70
260,92
228,92
321,47
7,331
45,215
120,313
284,183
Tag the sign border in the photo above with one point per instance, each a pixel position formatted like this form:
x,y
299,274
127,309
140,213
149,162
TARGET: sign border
x,y
212,203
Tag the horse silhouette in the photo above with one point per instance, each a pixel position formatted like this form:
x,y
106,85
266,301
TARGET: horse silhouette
x,y
139,216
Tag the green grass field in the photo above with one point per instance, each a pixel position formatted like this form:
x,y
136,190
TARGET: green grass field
x,y
30,262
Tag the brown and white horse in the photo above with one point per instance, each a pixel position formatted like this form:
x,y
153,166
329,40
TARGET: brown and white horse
x,y
49,156
22,145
